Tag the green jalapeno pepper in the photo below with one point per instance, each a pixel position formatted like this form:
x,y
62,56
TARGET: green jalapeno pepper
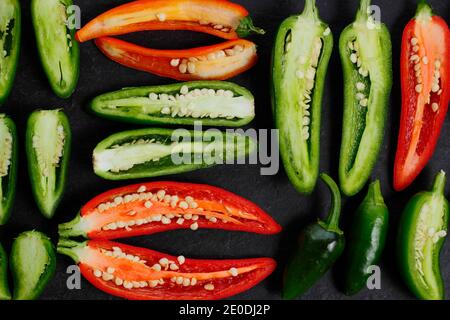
x,y
213,103
48,141
10,25
4,289
365,49
423,227
319,246
155,152
56,43
366,240
8,166
302,50
33,264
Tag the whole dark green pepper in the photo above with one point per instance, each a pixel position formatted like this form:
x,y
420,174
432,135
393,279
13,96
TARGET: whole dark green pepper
x,y
423,228
319,246
366,240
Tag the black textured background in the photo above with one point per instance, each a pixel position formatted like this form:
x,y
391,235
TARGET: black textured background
x,y
273,193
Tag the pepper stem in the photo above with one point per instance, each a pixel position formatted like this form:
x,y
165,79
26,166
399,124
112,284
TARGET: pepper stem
x,y
247,28
439,183
423,10
69,248
332,221
374,194
363,12
310,9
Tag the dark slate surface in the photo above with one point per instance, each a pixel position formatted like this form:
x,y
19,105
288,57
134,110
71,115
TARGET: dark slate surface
x,y
273,193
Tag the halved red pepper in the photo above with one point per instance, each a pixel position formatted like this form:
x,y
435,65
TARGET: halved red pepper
x,y
425,84
141,274
216,62
217,17
154,207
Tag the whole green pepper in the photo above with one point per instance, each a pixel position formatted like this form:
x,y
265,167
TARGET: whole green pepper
x,y
365,49
48,142
8,167
154,152
55,36
366,240
4,290
302,50
33,264
212,103
319,246
10,25
423,228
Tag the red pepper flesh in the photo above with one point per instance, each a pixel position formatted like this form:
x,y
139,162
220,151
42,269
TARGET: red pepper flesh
x,y
154,207
142,274
217,17
425,79
216,62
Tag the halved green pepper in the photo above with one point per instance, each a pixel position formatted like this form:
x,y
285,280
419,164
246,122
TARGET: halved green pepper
x,y
10,25
365,49
56,43
155,152
301,54
33,264
366,240
423,228
8,167
4,288
48,141
213,103
319,246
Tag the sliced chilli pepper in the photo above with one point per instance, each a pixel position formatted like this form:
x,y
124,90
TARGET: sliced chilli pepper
x,y
48,143
141,274
161,206
216,62
318,247
10,29
4,288
58,51
33,264
213,103
367,239
217,17
365,50
423,228
301,54
425,69
8,167
154,152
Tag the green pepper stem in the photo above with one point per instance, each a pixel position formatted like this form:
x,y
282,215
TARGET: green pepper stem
x,y
69,248
374,194
423,10
439,183
310,9
332,221
363,12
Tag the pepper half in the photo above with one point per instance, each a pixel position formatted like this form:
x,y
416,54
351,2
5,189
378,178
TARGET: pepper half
x,y
33,264
141,274
366,240
8,167
154,207
213,103
365,49
217,62
10,25
48,142
4,289
319,246
154,152
302,51
425,80
220,18
59,53
423,228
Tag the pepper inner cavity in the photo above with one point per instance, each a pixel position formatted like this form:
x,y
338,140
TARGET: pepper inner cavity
x,y
195,103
